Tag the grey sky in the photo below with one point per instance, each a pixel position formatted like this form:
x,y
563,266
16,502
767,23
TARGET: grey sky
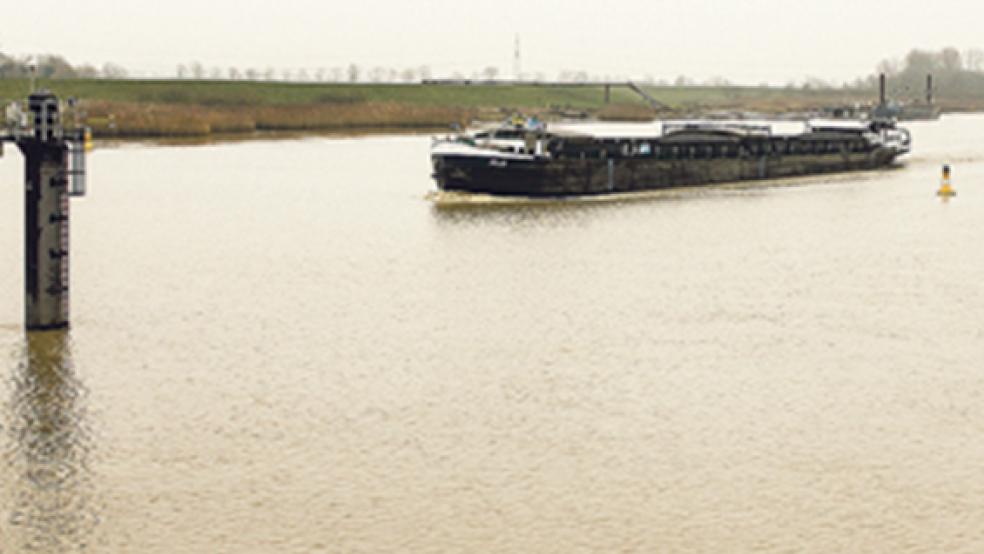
x,y
747,42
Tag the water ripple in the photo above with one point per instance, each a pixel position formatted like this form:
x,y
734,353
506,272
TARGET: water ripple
x,y
49,497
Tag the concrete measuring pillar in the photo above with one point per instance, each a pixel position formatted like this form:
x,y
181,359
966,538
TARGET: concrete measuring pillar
x,y
54,170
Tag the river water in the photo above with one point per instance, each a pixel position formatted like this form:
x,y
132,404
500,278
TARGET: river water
x,y
286,346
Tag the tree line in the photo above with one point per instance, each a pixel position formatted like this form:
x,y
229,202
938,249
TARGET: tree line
x,y
955,73
50,66
352,73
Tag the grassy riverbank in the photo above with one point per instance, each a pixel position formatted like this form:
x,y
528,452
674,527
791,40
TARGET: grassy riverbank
x,y
147,108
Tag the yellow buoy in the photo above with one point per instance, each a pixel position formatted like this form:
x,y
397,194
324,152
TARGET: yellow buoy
x,y
945,189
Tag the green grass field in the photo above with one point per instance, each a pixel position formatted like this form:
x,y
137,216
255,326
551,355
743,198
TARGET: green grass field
x,y
188,107
239,93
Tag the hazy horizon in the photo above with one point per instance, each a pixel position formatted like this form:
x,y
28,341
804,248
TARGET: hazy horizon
x,y
746,43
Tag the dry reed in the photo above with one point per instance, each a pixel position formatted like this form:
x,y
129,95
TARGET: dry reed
x,y
132,119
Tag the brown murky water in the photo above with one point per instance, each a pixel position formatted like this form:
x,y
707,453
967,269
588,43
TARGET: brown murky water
x,y
282,346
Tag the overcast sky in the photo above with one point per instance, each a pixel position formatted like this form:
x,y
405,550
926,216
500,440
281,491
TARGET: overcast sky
x,y
751,41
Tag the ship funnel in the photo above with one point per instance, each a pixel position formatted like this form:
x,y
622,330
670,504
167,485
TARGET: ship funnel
x,y
929,89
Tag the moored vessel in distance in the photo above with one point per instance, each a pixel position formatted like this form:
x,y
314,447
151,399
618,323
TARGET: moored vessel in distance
x,y
532,159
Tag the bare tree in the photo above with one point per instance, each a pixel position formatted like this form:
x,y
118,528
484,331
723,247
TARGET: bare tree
x,y
490,72
252,74
233,74
197,70
87,71
408,75
353,73
55,67
815,83
889,67
182,71
113,71
951,59
974,59
921,61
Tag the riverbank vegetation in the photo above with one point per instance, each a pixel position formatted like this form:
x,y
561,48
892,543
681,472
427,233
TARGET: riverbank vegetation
x,y
133,108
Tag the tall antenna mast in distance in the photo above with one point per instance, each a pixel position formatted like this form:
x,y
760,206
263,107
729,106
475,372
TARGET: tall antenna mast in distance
x,y
516,67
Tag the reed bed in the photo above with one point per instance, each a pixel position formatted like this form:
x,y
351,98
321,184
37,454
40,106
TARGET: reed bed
x,y
135,119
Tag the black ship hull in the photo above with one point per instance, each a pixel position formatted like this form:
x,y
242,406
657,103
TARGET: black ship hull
x,y
568,164
566,177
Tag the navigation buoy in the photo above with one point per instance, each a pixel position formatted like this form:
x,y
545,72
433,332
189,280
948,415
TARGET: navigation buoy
x,y
946,190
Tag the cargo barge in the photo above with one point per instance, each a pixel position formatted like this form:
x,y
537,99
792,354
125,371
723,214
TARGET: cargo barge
x,y
566,160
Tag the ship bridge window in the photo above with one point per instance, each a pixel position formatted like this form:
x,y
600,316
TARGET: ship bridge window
x,y
644,149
